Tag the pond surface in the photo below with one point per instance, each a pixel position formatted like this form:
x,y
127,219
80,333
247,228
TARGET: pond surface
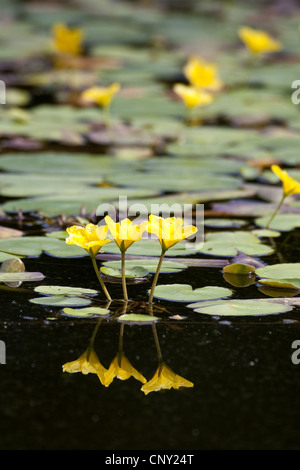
x,y
245,393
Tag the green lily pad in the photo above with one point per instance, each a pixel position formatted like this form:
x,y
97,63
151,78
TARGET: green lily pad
x,y
280,271
281,222
233,242
64,290
247,307
137,318
134,272
21,276
152,248
282,283
239,269
61,301
185,293
85,312
224,223
150,265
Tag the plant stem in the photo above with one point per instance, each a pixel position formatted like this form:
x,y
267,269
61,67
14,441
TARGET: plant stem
x,y
100,278
157,345
123,276
278,207
156,276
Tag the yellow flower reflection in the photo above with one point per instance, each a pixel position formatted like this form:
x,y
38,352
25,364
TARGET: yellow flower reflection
x,y
102,96
87,363
290,186
121,368
169,231
67,40
165,379
191,96
202,74
91,237
258,41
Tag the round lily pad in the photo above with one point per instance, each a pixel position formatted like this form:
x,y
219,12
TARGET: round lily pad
x,y
85,312
134,272
61,301
150,265
185,293
239,269
280,271
64,290
247,307
137,318
21,276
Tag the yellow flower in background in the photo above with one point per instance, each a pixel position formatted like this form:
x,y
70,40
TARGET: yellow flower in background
x,y
87,363
191,96
121,368
102,96
202,74
165,379
67,40
125,232
258,41
290,186
91,237
169,231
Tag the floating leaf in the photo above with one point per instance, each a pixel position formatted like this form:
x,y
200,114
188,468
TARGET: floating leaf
x,y
185,293
280,271
137,318
61,301
134,272
12,265
233,242
281,222
64,290
150,265
247,307
282,283
21,276
85,312
238,268
224,223
238,280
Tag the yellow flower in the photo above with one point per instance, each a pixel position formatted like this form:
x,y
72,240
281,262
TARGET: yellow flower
x,y
258,41
67,40
91,237
191,96
165,379
169,231
87,363
290,186
102,96
202,74
121,368
125,232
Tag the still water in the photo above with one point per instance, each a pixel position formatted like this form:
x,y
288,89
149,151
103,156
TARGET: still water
x,y
245,393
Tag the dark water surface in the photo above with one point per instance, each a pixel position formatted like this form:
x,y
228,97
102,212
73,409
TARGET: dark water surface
x,y
245,394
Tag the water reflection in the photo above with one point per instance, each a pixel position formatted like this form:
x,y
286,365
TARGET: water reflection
x,y
121,368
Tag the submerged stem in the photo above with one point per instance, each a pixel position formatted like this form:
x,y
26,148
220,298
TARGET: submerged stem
x,y
156,276
100,278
